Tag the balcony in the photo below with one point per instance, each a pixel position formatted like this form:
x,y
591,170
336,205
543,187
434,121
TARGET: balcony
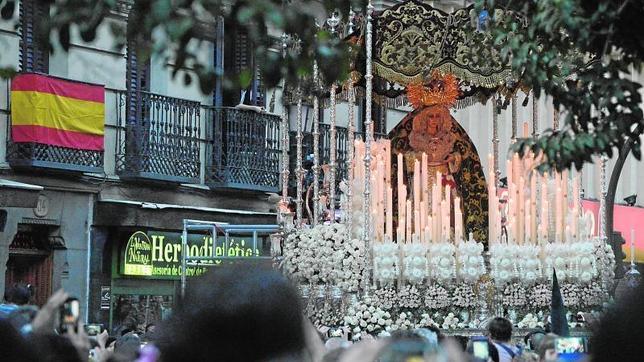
x,y
244,149
35,155
30,156
161,143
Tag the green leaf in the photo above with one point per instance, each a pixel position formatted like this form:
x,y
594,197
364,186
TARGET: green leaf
x,y
245,77
161,9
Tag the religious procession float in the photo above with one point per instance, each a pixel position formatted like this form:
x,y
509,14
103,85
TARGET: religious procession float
x,y
419,235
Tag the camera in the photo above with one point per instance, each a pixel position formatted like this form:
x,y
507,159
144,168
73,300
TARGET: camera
x,y
570,348
69,315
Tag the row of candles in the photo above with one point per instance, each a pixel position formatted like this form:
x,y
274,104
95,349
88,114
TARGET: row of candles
x,y
424,210
528,217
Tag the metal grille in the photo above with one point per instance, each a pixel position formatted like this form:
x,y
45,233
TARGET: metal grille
x,y
244,149
163,144
46,156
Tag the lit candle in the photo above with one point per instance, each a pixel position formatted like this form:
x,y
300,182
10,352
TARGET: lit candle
x,y
632,246
410,215
425,177
390,212
533,207
490,163
458,220
417,228
565,203
508,171
521,211
401,199
417,180
559,215
387,157
423,215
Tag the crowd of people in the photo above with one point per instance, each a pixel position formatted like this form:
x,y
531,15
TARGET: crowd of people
x,y
242,313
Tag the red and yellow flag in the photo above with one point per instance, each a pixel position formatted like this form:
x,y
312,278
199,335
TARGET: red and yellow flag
x,y
57,112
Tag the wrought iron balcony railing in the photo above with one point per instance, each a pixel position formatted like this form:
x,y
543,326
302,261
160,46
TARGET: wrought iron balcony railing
x,y
162,145
244,149
42,156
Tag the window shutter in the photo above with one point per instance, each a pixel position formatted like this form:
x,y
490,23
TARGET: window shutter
x,y
244,59
137,80
34,50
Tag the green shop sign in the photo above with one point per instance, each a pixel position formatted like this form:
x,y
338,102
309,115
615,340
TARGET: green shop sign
x,y
157,255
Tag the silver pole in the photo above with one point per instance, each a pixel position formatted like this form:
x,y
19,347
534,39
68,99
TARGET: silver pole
x,y
285,135
332,151
350,153
299,174
514,117
316,148
603,227
368,139
495,142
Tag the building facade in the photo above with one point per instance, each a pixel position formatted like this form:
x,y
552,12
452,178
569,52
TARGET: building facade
x,y
170,154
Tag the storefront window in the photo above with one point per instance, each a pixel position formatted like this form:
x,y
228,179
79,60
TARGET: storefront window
x,y
136,312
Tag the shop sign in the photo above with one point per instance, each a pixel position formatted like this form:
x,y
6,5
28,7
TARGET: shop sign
x,y
105,297
157,255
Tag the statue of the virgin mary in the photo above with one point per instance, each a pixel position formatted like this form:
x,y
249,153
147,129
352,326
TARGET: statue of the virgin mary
x,y
432,130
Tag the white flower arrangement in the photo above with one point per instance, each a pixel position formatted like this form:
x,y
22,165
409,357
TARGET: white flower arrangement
x,y
365,319
514,295
471,265
443,262
574,262
570,294
592,295
605,259
463,296
351,255
503,264
530,321
528,264
325,254
451,321
386,298
425,321
324,315
385,263
409,297
436,297
403,322
414,262
539,296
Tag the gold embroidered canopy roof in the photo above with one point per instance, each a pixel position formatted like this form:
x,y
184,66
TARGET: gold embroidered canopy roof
x,y
412,39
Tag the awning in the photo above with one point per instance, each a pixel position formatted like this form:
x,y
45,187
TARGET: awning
x,y
130,213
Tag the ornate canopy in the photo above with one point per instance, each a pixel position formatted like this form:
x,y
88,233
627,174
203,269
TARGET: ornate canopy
x,y
412,39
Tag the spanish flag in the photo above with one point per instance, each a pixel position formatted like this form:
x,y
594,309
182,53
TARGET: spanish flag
x,y
57,112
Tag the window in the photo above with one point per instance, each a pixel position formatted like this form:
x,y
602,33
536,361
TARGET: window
x,y
238,58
